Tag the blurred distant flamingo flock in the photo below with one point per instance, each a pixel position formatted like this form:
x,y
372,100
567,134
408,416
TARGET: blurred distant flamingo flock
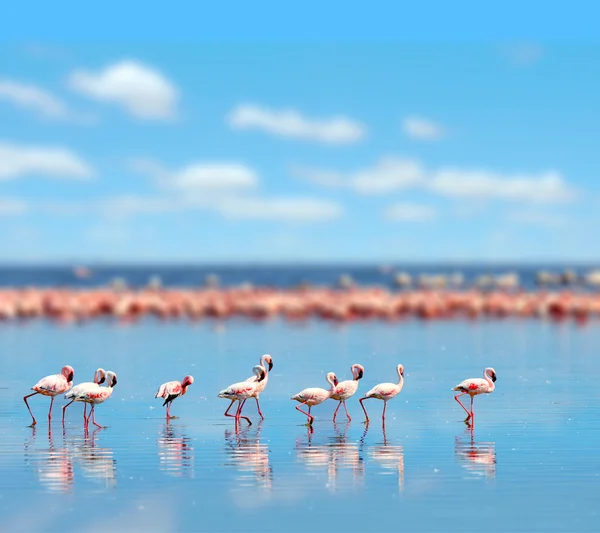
x,y
336,304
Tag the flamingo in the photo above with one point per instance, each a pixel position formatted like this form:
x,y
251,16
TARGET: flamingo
x,y
385,392
172,390
315,396
78,390
52,386
97,395
242,391
475,386
266,361
348,388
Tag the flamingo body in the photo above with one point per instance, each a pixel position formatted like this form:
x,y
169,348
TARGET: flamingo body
x,y
474,387
172,390
346,389
315,395
52,386
385,392
78,392
266,361
97,395
243,390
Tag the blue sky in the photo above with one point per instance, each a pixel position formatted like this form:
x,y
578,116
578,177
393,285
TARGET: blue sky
x,y
278,151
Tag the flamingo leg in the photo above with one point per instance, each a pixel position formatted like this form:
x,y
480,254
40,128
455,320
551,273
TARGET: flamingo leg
x,y
258,407
238,414
383,414
346,409
460,403
93,415
84,411
336,410
363,407
309,416
472,415
25,400
63,410
50,410
227,411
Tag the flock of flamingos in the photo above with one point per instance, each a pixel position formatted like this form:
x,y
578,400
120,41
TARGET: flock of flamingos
x,y
94,393
336,304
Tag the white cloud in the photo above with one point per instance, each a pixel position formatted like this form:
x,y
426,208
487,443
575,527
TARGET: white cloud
x,y
141,90
214,176
17,161
280,209
12,206
549,187
422,129
396,174
291,123
387,175
200,176
32,98
410,213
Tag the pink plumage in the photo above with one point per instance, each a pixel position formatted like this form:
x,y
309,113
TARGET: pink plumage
x,y
385,392
346,389
95,395
172,390
243,390
52,386
475,386
315,395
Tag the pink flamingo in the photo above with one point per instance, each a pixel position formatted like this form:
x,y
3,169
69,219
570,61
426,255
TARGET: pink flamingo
x,y
385,392
475,386
315,396
98,395
52,386
266,361
172,390
79,391
346,389
242,391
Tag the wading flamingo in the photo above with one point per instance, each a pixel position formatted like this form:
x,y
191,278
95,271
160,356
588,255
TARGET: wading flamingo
x,y
475,386
173,389
385,392
52,386
315,396
346,389
266,361
79,390
242,391
97,396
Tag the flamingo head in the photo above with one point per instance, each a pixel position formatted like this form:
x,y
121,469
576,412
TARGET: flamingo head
x,y
99,376
357,371
401,370
68,372
492,373
111,378
332,378
260,372
268,360
187,381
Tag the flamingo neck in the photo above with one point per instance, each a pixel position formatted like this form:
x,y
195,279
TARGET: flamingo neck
x,y
491,384
265,365
400,378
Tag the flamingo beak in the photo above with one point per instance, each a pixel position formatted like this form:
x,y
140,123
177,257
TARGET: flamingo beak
x,y
270,365
102,380
493,377
71,375
114,381
360,374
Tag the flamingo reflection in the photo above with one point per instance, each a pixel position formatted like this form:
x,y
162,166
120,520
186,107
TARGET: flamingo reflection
x,y
389,457
336,455
53,465
249,456
479,458
175,451
96,462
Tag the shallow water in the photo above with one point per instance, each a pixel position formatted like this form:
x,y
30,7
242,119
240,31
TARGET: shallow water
x,y
531,462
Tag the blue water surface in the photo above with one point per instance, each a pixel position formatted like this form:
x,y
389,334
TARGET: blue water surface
x,y
531,463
